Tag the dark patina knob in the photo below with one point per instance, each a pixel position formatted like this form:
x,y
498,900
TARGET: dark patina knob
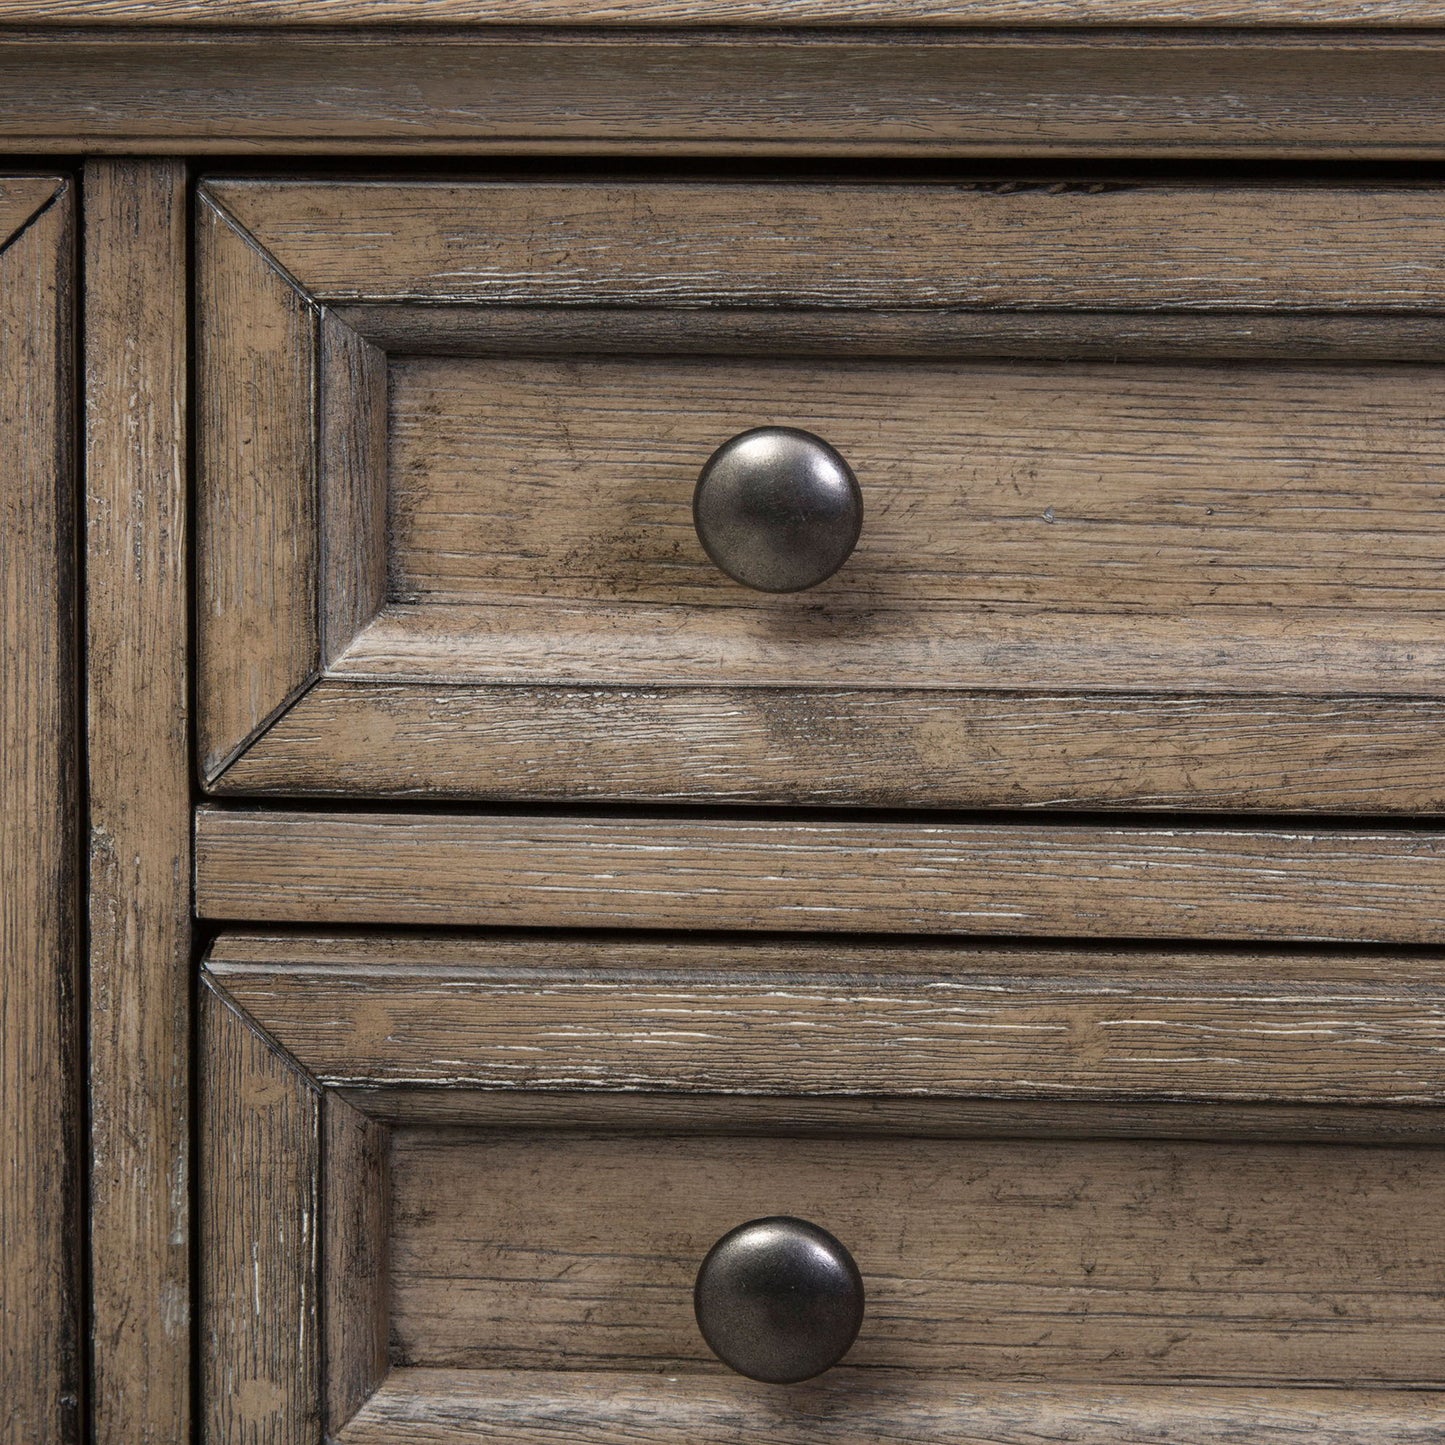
x,y
777,509
779,1300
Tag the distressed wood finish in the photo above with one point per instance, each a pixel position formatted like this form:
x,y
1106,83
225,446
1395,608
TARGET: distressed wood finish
x,y
256,516
530,1407
556,486
845,1018
1205,650
259,1229
871,746
139,776
442,330
1126,1262
42,1117
21,199
1362,96
913,1117
515,608
1088,880
1060,248
355,1272
695,13
351,482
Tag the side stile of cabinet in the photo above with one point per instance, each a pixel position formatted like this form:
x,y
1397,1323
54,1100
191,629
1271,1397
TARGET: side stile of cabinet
x,y
140,886
42,1118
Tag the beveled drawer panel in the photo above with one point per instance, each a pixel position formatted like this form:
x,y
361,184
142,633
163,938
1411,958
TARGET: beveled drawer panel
x,y
496,1153
1149,480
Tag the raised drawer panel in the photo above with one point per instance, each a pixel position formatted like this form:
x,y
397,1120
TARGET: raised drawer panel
x,y
1149,473
493,1164
1118,1262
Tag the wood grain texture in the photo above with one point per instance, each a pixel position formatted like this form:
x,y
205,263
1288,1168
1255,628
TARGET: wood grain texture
x,y
257,519
862,746
452,1106
42,1117
697,13
531,1407
844,1018
525,92
139,775
351,482
1206,247
1086,880
259,1230
1107,1262
555,485
1205,649
21,198
442,330
355,1268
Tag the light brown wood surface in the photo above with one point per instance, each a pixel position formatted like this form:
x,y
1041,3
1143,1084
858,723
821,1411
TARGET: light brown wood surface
x,y
259,1121
892,749
21,200
845,1018
1324,13
1206,649
909,1116
42,1113
1089,1261
257,539
1209,247
552,486
137,619
351,479
355,1263
513,331
1086,880
530,1407
1358,96
1031,528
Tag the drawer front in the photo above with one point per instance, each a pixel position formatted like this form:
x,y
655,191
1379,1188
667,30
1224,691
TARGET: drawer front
x,y
1068,1177
1148,479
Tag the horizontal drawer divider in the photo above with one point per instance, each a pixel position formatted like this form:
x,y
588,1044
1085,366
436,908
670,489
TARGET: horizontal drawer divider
x,y
1357,884
841,1018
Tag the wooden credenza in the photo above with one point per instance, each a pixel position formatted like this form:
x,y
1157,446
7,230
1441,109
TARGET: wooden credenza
x,y
442,904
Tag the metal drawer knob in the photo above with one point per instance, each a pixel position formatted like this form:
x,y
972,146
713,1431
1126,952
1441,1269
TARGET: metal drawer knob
x,y
777,509
779,1300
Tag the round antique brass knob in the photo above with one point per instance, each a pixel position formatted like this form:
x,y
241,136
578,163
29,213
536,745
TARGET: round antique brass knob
x,y
777,509
779,1300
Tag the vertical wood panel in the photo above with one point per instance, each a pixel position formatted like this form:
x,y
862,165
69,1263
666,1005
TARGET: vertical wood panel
x,y
41,1122
356,1228
260,1157
352,483
257,544
135,315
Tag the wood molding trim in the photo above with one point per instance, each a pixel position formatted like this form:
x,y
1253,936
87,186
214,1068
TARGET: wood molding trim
x,y
695,14
42,1114
530,1407
930,95
259,1228
140,793
841,1019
